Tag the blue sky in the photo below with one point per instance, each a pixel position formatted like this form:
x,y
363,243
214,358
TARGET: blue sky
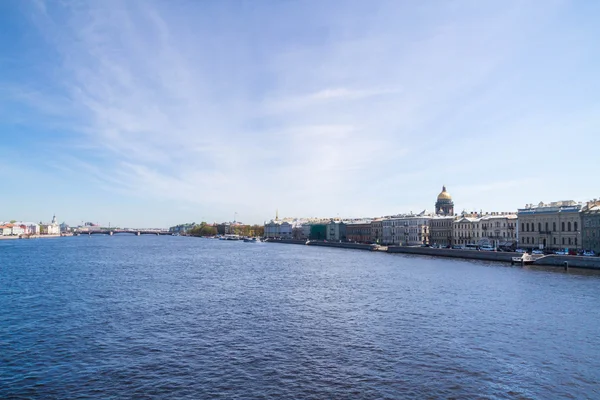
x,y
151,113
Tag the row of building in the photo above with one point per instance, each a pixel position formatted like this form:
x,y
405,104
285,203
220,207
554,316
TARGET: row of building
x,y
557,225
18,228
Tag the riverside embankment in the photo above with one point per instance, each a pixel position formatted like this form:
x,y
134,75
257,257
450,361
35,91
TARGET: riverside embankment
x,y
343,245
499,256
29,237
549,260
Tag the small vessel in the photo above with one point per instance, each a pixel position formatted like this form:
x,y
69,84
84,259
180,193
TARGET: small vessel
x,y
524,259
251,240
230,237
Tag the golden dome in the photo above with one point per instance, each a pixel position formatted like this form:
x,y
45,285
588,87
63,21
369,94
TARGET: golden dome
x,y
444,195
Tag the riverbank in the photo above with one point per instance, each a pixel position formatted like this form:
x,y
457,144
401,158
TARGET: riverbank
x,y
29,237
342,245
590,263
549,260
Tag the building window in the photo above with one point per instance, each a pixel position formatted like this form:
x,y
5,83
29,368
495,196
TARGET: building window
x,y
563,239
547,227
575,241
554,226
522,226
575,226
563,226
570,241
539,226
554,240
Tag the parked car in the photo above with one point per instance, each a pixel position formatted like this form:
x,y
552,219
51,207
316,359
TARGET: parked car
x,y
561,253
457,247
486,248
520,251
537,252
590,253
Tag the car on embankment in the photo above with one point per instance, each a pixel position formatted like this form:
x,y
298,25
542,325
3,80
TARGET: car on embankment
x,y
487,248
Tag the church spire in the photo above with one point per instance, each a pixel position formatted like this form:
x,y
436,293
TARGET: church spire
x,y
277,215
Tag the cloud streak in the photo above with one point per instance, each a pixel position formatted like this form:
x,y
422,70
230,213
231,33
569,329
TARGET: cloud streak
x,y
360,112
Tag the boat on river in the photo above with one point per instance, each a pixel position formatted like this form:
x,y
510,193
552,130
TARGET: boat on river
x,y
230,237
523,259
526,258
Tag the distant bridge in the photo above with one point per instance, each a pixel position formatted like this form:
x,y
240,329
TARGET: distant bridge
x,y
136,232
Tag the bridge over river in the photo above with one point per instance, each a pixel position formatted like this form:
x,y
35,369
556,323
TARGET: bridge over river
x,y
136,232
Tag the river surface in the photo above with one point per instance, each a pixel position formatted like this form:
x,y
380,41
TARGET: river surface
x,y
176,317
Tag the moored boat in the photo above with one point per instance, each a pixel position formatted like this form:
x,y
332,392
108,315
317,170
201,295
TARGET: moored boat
x,y
522,259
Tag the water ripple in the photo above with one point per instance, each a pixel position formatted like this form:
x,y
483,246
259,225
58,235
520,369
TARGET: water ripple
x,y
163,317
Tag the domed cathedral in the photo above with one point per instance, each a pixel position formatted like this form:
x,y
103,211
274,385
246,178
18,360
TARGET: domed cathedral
x,y
444,204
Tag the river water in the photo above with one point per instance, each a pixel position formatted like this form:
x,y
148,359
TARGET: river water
x,y
176,317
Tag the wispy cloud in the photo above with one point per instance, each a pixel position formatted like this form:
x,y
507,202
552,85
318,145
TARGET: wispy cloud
x,y
192,103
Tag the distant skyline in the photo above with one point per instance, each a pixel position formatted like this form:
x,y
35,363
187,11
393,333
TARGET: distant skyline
x,y
155,113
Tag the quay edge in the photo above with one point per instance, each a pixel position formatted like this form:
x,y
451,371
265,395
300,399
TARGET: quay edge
x,y
342,245
549,260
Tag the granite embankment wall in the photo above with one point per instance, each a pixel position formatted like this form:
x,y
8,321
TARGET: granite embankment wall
x,y
550,260
288,241
469,254
355,246
574,261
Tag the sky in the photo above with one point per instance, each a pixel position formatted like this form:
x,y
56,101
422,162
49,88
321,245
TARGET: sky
x,y
152,113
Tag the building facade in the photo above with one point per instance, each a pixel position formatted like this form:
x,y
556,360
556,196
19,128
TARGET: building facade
x,y
359,232
318,232
278,230
412,230
17,230
499,230
590,222
388,231
466,230
552,226
306,230
377,231
440,230
182,229
336,231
